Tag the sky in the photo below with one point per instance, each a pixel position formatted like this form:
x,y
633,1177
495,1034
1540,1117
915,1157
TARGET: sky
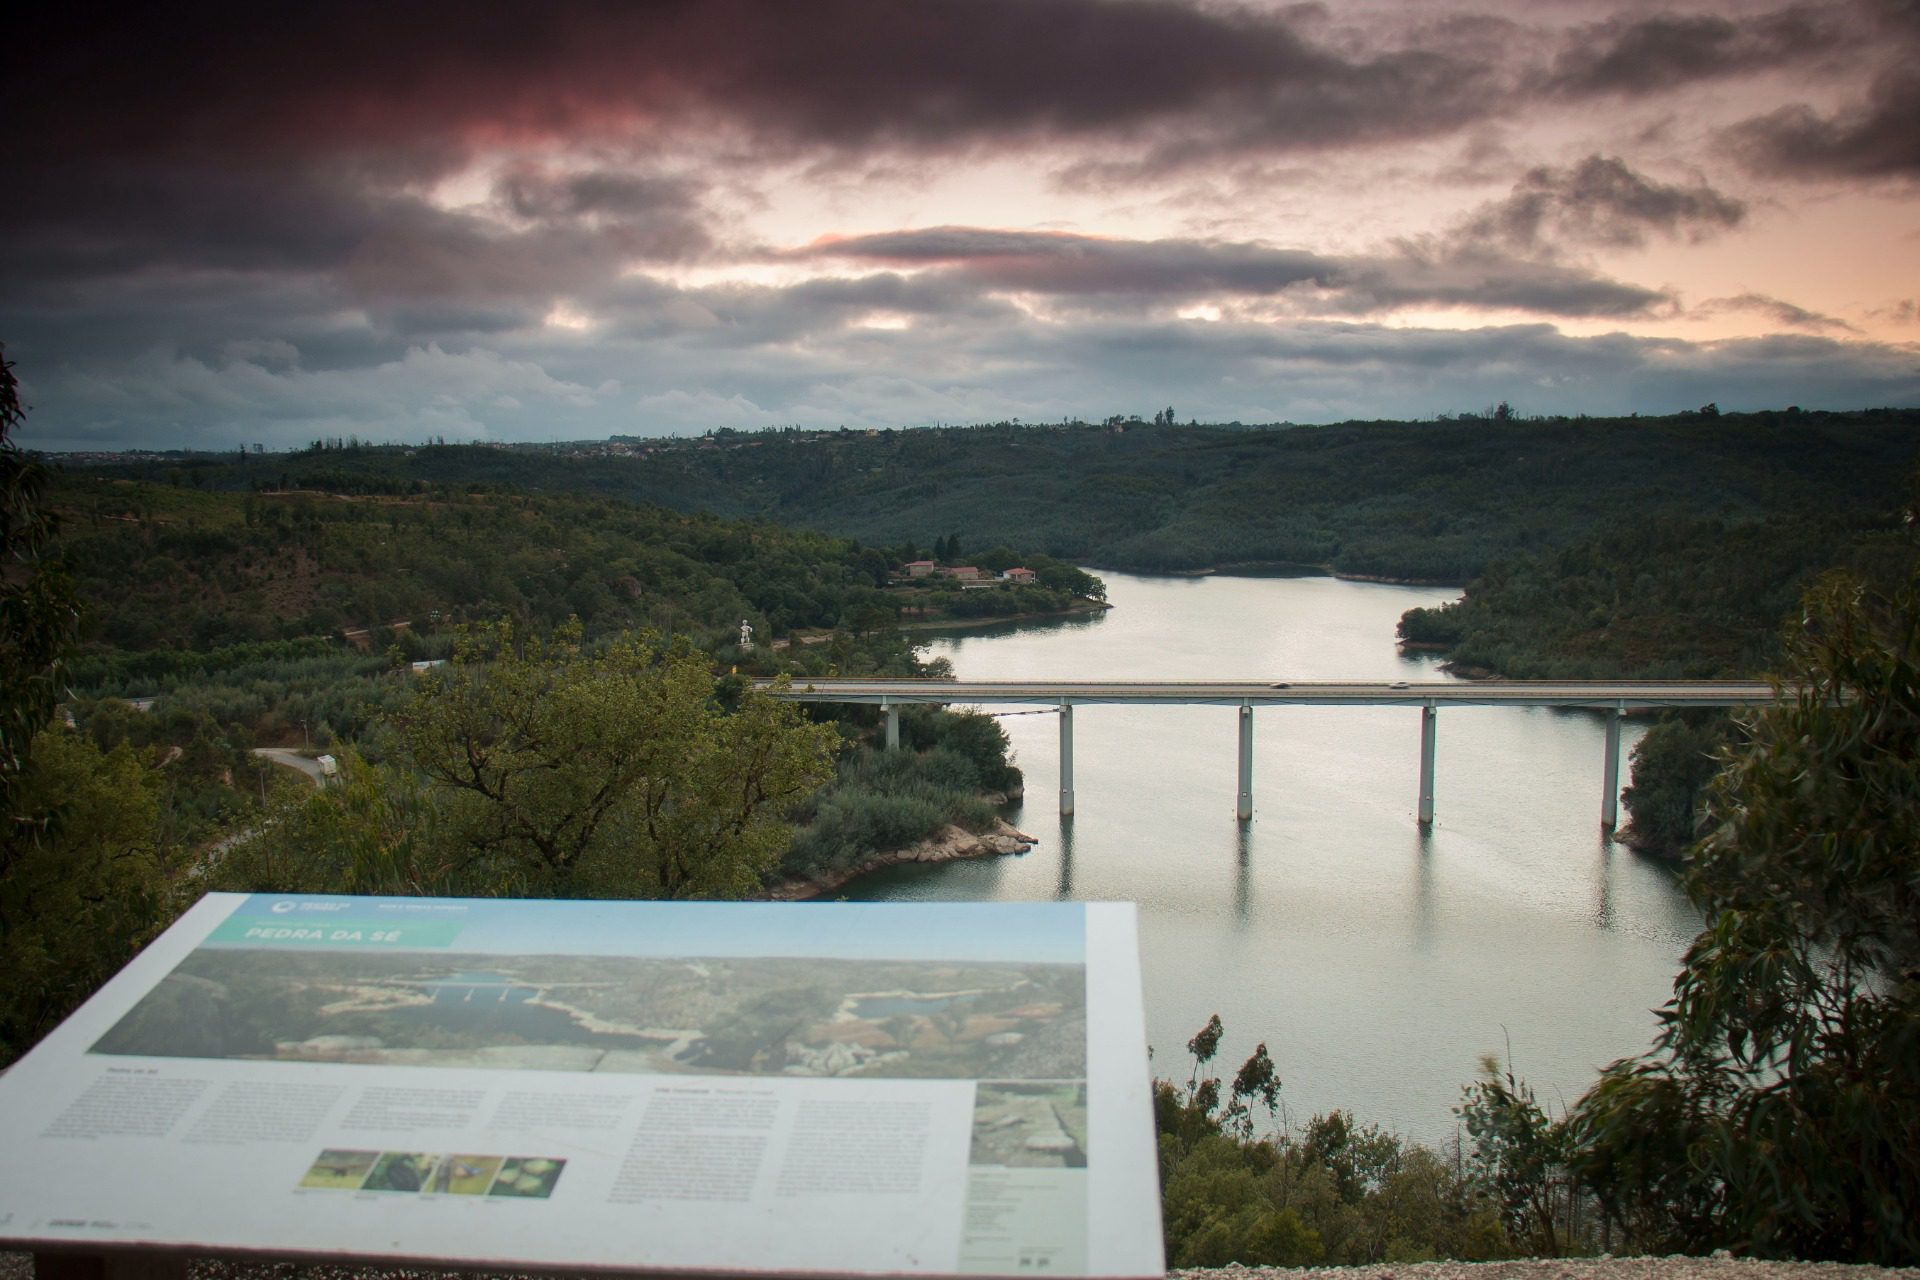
x,y
232,225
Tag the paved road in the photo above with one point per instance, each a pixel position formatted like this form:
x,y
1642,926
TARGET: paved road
x,y
293,760
1529,693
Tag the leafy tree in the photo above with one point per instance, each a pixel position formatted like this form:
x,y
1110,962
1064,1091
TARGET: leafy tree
x,y
39,619
82,882
616,772
1214,1199
1520,1159
90,887
1336,1194
1437,626
1673,763
368,831
1779,1110
998,559
974,735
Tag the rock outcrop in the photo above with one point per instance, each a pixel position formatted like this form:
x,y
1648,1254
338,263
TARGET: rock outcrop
x,y
949,844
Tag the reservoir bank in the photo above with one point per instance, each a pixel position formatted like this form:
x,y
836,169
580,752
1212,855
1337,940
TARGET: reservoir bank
x,y
1378,963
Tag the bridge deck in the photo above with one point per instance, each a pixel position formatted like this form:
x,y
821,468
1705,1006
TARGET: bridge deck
x,y
1610,694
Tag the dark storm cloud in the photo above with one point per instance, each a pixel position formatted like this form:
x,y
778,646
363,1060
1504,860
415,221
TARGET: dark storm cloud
x,y
1480,280
1599,201
108,259
434,79
1777,310
78,218
221,218
666,209
747,317
1879,138
1662,51
1174,271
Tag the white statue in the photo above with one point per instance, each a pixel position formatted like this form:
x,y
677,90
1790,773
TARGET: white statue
x,y
746,634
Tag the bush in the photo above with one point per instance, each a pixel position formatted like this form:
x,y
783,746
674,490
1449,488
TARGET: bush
x,y
1779,1111
1334,1194
1671,767
881,801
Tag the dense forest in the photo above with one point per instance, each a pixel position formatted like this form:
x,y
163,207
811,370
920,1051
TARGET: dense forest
x,y
1436,501
178,570
206,624
1587,548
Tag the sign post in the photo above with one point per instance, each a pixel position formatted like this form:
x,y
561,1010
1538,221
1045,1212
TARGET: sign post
x,y
624,1087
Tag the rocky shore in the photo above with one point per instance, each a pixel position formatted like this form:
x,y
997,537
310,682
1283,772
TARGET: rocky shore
x,y
949,844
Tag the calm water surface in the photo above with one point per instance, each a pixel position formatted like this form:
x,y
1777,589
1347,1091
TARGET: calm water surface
x,y
1378,963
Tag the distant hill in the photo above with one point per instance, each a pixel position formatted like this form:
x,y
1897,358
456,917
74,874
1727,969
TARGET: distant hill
x,y
1435,501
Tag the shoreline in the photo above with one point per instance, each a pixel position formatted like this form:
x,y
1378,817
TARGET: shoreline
x,y
956,624
1287,568
949,844
1082,608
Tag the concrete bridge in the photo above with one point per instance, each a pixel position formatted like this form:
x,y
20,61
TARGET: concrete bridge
x,y
1612,697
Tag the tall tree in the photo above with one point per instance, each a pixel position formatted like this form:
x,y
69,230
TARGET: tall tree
x,y
89,888
83,883
1779,1111
39,618
610,773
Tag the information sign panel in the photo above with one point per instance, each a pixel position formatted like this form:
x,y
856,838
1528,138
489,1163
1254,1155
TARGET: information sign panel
x,y
854,1088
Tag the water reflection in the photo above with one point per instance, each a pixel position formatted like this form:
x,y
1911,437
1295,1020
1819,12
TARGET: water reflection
x,y
1425,918
1603,885
1378,962
1064,842
953,640
1243,872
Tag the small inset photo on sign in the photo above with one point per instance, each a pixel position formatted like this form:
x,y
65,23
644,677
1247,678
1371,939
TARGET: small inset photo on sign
x,y
531,1177
1030,1124
464,1175
401,1171
339,1170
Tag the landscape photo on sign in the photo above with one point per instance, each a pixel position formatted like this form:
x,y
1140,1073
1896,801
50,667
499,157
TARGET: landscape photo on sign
x,y
304,998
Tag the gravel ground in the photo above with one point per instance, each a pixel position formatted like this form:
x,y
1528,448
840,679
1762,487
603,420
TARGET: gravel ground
x,y
19,1266
1719,1267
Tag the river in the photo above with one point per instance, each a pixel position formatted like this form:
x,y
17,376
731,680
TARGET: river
x,y
1378,963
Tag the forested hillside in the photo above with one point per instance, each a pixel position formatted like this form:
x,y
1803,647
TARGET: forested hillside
x,y
1665,598
1422,500
182,569
289,617
1588,548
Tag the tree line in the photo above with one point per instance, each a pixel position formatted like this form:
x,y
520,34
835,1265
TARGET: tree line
x,y
1437,501
543,694
1776,1113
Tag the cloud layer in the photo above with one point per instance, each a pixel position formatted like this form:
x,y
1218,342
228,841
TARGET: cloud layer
x,y
456,219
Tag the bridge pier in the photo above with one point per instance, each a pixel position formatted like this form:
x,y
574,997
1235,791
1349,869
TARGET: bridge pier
x,y
1243,808
1066,758
1428,718
1610,772
1614,698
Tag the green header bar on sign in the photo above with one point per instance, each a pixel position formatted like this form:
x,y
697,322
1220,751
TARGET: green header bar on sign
x,y
410,934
